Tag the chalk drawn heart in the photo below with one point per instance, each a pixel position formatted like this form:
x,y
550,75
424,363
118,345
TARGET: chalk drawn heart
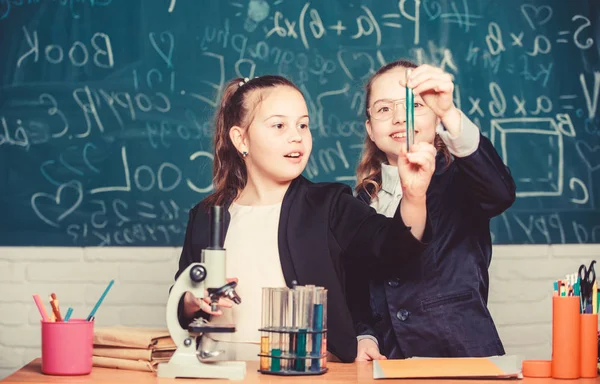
x,y
258,10
529,10
73,184
588,153
166,38
433,9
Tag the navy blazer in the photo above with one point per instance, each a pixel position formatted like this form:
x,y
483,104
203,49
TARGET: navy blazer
x,y
320,225
438,307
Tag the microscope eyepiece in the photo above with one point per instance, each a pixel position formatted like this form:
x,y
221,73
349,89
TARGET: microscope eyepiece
x,y
217,231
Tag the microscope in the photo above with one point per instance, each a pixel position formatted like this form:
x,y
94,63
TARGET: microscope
x,y
197,354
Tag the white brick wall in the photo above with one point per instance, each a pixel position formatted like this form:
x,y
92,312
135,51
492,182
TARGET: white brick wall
x,y
78,276
520,291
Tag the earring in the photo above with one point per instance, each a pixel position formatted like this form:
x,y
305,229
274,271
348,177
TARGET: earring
x,y
244,154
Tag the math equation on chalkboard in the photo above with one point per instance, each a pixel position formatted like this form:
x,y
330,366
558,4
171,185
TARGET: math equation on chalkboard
x,y
106,106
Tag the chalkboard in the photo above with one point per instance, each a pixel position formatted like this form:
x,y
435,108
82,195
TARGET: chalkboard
x,y
106,105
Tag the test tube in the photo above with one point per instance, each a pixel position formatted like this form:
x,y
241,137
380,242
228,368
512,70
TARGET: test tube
x,y
307,323
276,324
292,326
323,299
310,309
302,326
410,113
317,325
265,362
285,323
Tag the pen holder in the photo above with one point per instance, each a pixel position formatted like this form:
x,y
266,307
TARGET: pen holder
x,y
294,331
565,337
589,345
67,347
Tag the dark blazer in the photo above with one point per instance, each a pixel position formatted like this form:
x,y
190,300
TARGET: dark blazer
x,y
438,308
320,225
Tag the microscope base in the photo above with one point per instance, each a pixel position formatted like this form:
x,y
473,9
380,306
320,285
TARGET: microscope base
x,y
188,365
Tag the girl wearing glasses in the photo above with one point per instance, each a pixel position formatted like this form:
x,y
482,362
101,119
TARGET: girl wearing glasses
x,y
436,307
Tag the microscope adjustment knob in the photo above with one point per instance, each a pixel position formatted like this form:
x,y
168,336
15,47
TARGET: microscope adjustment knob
x,y
228,290
198,274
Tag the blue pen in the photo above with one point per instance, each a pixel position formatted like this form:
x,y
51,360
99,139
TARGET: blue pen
x,y
100,301
68,315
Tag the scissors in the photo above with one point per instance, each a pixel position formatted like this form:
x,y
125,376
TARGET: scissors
x,y
587,278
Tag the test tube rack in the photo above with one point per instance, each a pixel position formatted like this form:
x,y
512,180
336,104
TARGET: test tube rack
x,y
294,331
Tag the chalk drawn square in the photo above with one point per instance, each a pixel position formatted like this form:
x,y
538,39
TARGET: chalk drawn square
x,y
533,150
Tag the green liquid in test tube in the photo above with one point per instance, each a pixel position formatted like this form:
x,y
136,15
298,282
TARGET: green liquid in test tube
x,y
410,114
317,341
301,325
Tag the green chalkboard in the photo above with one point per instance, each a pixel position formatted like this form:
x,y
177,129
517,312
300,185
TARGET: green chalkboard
x,y
106,105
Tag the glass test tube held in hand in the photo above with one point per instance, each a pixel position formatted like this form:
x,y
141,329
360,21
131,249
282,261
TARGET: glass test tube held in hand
x,y
410,114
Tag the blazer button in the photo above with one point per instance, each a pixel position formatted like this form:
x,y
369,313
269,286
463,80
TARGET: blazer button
x,y
402,314
394,283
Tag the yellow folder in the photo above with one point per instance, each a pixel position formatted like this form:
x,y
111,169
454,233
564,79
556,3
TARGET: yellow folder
x,y
495,367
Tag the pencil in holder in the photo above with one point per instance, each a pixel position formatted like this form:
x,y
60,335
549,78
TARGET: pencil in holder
x,y
565,337
589,345
294,327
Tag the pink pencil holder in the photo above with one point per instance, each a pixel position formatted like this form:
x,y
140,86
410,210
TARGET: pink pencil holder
x,y
67,347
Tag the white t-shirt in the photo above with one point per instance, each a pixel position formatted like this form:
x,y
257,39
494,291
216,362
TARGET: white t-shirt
x,y
253,257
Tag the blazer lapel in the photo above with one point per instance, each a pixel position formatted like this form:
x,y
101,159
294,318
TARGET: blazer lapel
x,y
285,255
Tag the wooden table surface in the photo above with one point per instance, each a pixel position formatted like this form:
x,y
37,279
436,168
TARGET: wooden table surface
x,y
338,373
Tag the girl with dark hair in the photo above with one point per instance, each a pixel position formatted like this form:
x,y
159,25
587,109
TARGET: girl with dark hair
x,y
282,229
436,307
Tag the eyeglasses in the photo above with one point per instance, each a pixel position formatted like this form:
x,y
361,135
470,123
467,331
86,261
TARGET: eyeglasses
x,y
385,109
